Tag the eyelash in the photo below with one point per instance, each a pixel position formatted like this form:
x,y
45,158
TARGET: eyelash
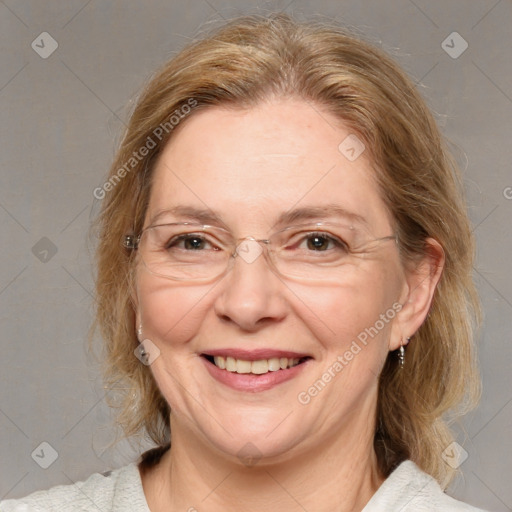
x,y
329,238
183,238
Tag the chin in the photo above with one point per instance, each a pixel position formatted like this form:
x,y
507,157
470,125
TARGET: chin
x,y
254,434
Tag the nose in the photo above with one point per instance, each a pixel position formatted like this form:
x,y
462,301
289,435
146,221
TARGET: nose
x,y
251,295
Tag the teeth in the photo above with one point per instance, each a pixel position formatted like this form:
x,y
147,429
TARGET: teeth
x,y
243,366
230,364
220,362
273,364
258,367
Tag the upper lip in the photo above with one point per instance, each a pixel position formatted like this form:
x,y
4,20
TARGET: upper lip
x,y
254,355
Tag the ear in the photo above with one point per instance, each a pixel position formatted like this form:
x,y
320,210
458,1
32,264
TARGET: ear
x,y
421,279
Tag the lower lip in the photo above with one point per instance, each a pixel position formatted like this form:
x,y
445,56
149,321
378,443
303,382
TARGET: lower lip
x,y
250,382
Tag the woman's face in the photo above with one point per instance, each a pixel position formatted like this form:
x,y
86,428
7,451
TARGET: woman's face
x,y
246,169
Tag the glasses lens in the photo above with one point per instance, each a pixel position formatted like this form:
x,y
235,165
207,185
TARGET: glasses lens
x,y
323,251
184,251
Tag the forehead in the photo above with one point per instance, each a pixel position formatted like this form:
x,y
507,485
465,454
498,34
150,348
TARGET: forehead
x,y
250,166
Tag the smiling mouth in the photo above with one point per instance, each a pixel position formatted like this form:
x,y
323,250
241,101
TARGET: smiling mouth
x,y
257,367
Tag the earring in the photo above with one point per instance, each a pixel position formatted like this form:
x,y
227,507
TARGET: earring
x,y
142,349
401,353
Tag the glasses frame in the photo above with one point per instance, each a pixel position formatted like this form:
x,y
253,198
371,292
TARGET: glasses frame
x,y
131,242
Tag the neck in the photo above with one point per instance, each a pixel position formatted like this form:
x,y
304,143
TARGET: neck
x,y
341,474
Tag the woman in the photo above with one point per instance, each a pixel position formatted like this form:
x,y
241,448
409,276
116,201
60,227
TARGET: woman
x,y
284,284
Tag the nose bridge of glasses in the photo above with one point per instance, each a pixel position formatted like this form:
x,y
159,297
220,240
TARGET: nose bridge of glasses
x,y
249,249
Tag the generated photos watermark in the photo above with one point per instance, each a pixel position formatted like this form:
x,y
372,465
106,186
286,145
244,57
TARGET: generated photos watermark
x,y
343,360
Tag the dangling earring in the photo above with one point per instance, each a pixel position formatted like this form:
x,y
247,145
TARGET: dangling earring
x,y
401,353
142,349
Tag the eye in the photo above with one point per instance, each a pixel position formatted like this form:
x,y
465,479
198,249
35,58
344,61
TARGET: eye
x,y
318,242
321,241
190,242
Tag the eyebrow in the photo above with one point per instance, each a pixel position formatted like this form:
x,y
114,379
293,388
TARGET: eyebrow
x,y
201,215
319,213
308,213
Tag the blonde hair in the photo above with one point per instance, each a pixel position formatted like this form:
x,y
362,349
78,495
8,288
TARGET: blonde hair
x,y
245,62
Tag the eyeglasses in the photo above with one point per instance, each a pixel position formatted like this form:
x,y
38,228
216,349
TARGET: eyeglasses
x,y
186,251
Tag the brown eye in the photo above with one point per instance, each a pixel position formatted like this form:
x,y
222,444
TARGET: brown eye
x,y
188,242
194,243
318,243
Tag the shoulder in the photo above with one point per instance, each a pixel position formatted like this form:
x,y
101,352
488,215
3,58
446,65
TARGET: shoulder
x,y
117,490
409,489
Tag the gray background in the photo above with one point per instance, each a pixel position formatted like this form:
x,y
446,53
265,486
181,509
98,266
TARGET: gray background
x,y
61,120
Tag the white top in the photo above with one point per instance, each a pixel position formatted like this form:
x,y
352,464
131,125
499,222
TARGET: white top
x,y
407,489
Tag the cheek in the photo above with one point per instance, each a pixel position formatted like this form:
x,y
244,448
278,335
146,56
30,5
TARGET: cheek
x,y
170,313
359,309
